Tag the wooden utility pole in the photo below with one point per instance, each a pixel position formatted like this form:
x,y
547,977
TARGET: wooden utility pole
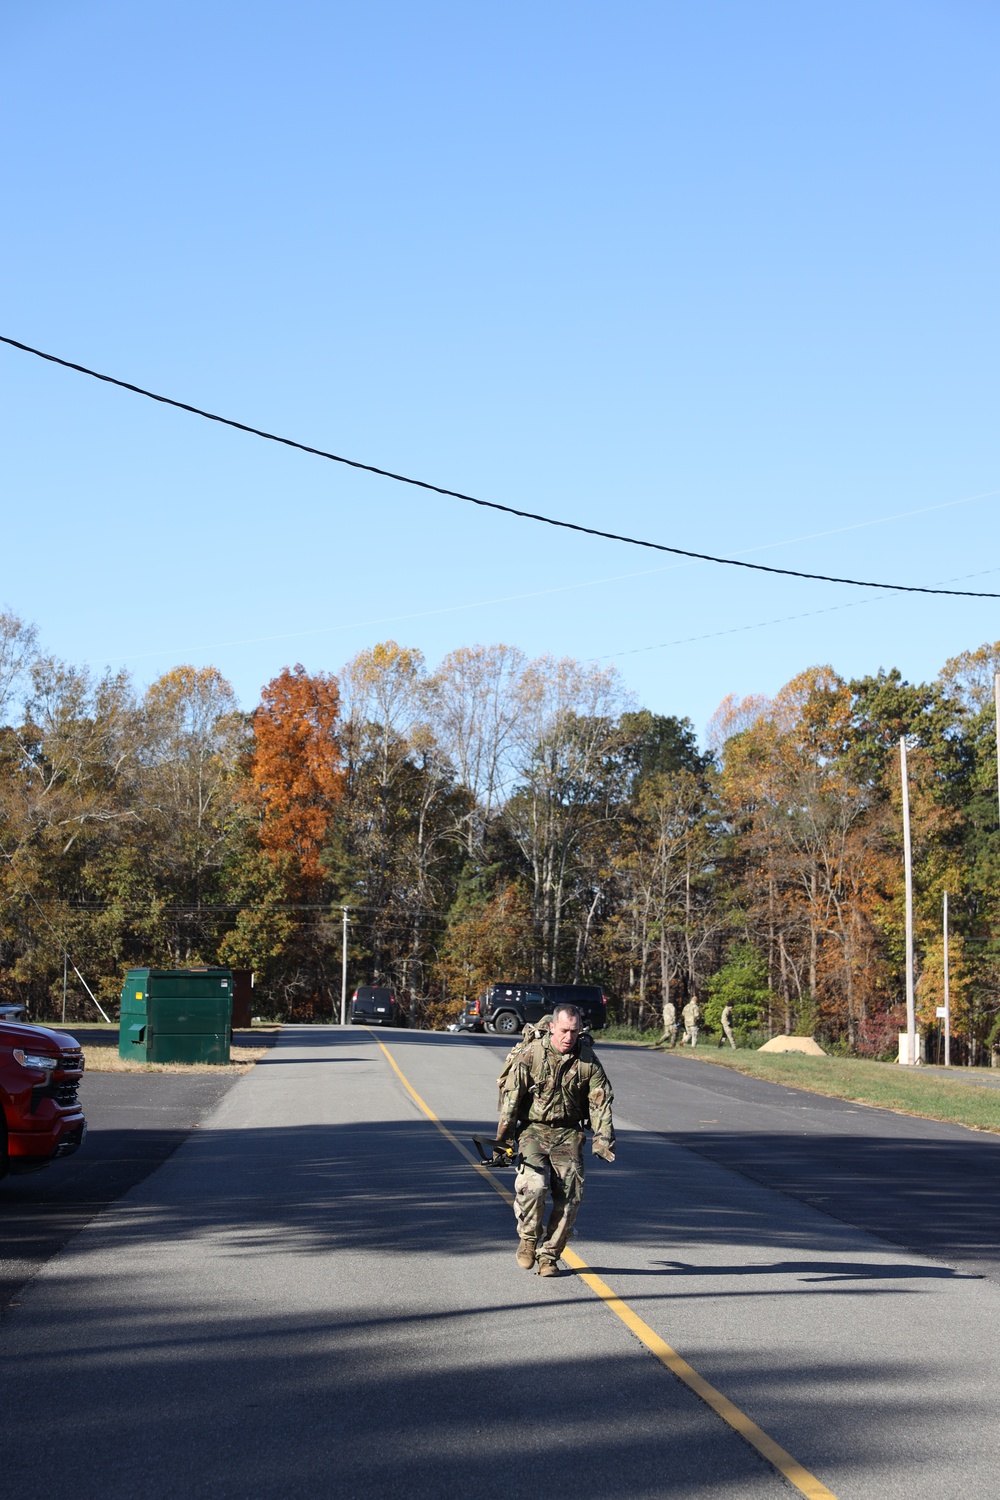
x,y
911,1019
947,991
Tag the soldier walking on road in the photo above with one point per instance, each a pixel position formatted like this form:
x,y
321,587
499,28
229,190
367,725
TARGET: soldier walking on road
x,y
727,1027
552,1092
692,1015
669,1037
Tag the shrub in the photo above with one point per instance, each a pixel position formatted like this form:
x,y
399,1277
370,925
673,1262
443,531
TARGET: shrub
x,y
741,983
878,1035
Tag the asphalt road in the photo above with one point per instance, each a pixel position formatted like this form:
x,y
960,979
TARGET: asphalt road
x,y
975,1076
315,1294
134,1122
929,1187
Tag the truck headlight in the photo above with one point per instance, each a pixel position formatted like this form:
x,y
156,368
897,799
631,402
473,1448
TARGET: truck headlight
x,y
38,1060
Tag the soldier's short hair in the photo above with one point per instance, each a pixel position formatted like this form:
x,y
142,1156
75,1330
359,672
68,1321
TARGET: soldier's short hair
x,y
573,1011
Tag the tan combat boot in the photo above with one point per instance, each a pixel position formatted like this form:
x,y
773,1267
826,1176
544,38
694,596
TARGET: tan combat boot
x,y
526,1254
548,1266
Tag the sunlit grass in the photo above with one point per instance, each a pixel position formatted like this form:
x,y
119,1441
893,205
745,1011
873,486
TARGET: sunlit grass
x,y
885,1085
106,1060
616,1033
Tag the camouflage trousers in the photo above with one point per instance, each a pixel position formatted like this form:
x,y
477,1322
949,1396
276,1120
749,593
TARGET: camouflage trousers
x,y
551,1159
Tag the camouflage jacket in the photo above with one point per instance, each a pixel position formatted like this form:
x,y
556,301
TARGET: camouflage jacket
x,y
546,1088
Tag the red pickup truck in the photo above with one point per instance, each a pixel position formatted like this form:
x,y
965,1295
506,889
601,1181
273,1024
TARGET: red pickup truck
x,y
40,1115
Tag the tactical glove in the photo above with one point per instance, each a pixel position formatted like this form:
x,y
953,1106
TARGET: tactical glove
x,y
604,1151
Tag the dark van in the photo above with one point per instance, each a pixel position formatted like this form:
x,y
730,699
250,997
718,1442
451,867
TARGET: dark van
x,y
509,1006
372,1006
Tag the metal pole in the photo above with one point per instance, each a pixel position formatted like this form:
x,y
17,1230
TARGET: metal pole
x,y
65,978
911,1021
947,991
343,972
90,992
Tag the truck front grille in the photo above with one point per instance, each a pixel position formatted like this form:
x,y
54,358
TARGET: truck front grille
x,y
65,1092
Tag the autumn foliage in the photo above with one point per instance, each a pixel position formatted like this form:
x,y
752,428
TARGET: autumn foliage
x,y
499,818
295,767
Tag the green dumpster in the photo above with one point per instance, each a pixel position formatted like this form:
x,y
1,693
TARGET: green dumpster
x,y
176,1015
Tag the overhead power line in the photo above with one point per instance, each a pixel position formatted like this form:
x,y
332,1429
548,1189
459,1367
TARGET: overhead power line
x,y
831,609
509,510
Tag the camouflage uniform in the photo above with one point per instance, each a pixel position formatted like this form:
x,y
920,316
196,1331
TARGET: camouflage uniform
x,y
727,1027
692,1015
550,1097
669,1037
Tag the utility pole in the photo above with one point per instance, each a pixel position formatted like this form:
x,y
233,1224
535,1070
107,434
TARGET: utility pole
x,y
911,1021
996,701
947,991
343,972
65,979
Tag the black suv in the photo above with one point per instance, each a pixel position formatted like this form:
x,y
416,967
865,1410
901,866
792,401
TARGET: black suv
x,y
371,1006
509,1006
471,1018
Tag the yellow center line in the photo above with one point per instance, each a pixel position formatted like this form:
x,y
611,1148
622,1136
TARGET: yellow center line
x,y
807,1484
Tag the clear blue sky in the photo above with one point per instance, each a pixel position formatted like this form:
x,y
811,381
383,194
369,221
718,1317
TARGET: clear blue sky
x,y
722,275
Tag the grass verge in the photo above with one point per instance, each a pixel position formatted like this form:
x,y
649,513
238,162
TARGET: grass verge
x,y
883,1085
613,1032
106,1060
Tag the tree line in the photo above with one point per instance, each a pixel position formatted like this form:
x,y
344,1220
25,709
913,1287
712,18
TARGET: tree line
x,y
499,817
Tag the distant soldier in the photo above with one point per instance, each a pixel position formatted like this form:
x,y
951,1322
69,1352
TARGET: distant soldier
x,y
669,1037
551,1093
692,1015
727,1027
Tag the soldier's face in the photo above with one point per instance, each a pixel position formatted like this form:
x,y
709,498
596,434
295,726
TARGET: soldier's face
x,y
564,1032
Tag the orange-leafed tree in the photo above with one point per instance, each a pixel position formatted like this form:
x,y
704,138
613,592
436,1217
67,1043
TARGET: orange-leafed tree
x,y
296,768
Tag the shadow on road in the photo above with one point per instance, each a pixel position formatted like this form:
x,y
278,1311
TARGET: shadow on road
x,y
476,1389
398,1187
272,1405
938,1197
807,1270
136,1121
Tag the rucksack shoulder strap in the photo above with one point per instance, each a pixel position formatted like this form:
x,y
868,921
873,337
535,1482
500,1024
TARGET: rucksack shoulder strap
x,y
529,1049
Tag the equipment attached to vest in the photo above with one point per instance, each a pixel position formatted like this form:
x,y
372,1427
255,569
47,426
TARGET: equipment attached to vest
x,y
502,1153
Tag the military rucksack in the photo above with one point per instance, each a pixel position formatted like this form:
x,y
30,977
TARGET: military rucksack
x,y
532,1033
